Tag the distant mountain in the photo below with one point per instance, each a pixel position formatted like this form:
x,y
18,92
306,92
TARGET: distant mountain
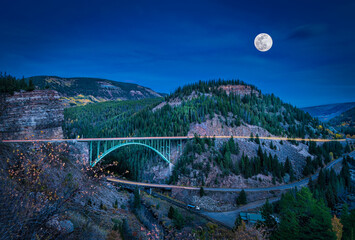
x,y
80,91
329,111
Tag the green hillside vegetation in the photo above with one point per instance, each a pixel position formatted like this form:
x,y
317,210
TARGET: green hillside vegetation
x,y
302,217
324,153
307,214
102,119
266,111
330,187
345,122
136,118
248,167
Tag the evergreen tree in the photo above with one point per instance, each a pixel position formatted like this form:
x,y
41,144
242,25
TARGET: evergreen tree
x,y
178,219
345,173
171,212
289,228
288,165
202,192
242,198
269,223
321,179
31,86
115,205
236,168
251,137
348,221
238,221
257,140
137,199
313,217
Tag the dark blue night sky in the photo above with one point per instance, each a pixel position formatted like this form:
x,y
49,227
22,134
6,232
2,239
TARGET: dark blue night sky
x,y
165,44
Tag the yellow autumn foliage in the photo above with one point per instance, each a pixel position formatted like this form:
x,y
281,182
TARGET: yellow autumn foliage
x,y
337,227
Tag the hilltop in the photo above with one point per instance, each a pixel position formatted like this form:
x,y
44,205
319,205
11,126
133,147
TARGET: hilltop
x,y
80,90
233,102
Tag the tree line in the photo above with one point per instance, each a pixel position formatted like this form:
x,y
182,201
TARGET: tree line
x,y
10,84
312,213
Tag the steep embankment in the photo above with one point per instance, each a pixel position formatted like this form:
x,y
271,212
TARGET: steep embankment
x,y
80,91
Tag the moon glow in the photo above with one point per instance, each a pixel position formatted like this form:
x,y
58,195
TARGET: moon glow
x,y
263,42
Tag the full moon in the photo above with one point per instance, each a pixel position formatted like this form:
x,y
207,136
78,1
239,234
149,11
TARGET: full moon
x,y
263,42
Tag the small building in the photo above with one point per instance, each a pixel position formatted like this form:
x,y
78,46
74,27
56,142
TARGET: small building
x,y
251,217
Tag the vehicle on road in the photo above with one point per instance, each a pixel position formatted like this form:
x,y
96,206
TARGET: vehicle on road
x,y
193,207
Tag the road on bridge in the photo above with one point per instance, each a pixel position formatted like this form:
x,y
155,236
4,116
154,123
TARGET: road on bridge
x,y
167,138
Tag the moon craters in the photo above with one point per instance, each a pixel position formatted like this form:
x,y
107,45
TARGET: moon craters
x,y
263,42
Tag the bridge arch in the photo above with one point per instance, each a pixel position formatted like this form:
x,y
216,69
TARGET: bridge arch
x,y
100,157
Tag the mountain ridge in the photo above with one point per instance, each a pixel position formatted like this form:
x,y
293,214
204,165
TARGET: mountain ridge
x,y
84,90
327,112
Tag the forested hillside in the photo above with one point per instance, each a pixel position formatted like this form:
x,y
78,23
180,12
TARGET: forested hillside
x,y
232,103
102,119
316,212
209,100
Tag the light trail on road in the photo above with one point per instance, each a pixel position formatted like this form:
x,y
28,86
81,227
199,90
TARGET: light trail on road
x,y
167,138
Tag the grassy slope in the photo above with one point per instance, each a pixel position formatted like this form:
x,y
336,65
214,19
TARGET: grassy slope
x,y
93,89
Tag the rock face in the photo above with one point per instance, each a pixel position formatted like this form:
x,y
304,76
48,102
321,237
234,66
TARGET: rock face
x,y
241,90
33,115
62,227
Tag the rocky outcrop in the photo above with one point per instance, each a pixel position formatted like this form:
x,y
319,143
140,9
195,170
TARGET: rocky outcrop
x,y
37,114
62,227
241,90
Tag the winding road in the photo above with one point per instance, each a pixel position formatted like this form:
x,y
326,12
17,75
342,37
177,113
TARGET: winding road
x,y
300,183
228,218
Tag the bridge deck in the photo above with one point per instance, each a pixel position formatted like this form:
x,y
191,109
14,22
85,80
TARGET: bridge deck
x,y
166,138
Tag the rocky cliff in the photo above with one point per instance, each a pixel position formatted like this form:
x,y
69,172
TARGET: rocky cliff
x,y
32,115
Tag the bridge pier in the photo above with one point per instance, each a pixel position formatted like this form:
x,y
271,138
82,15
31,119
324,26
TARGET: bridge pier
x,y
170,167
150,191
